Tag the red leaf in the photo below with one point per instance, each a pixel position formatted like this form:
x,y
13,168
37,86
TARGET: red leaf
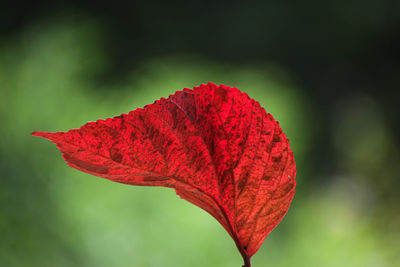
x,y
217,147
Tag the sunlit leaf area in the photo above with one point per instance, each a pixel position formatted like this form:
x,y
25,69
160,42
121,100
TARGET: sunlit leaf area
x,y
54,76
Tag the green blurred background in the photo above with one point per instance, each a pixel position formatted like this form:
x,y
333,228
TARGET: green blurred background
x,y
327,70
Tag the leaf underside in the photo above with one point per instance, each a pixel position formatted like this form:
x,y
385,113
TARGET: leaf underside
x,y
218,149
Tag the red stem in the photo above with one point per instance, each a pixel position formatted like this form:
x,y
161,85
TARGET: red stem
x,y
247,262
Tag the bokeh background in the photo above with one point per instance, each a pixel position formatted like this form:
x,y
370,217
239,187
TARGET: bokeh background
x,y
327,70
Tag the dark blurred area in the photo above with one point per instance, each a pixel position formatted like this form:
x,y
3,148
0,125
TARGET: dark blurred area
x,y
330,68
331,48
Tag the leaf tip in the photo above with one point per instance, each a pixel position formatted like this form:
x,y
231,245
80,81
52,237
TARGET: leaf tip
x,y
46,135
37,133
